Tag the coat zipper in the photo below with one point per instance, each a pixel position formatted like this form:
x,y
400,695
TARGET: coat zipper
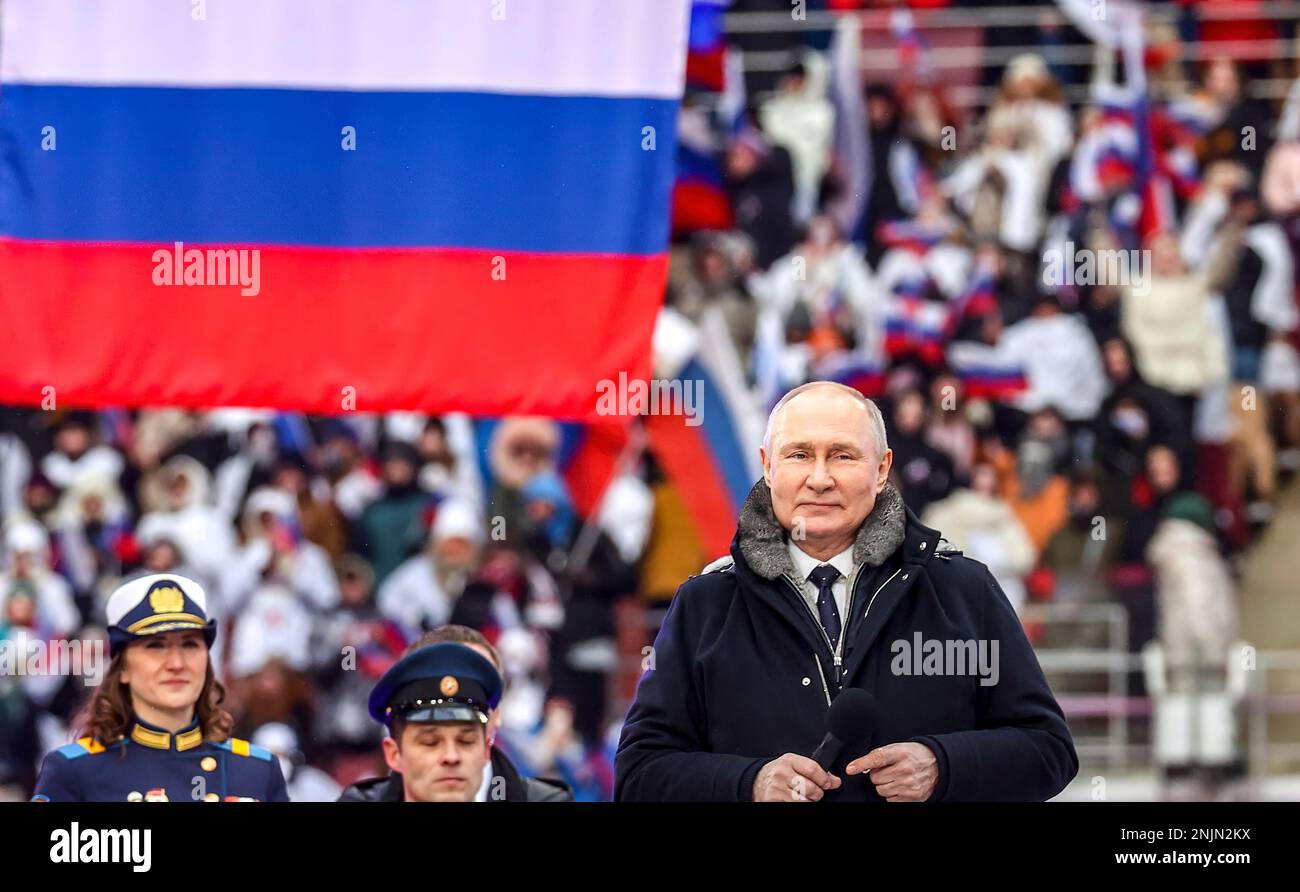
x,y
825,688
837,650
882,585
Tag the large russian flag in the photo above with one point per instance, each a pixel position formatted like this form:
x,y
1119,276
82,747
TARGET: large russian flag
x,y
456,204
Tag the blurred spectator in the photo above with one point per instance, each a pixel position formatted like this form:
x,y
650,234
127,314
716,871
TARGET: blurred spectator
x,y
320,519
420,593
1198,611
1031,478
890,158
713,275
30,590
1171,328
304,783
982,525
275,548
1162,477
445,473
353,484
352,647
1134,415
15,469
519,449
1031,108
76,453
949,429
826,283
178,506
394,525
92,529
1080,554
800,119
1061,361
1235,116
760,182
923,473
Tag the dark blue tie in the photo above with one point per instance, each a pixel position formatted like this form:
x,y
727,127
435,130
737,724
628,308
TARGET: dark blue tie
x,y
823,577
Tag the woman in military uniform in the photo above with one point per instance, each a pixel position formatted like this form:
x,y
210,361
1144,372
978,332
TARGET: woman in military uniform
x,y
154,729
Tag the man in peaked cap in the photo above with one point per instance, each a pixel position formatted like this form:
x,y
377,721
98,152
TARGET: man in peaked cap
x,y
500,780
437,703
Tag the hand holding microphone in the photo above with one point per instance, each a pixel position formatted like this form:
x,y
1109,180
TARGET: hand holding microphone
x,y
901,772
796,778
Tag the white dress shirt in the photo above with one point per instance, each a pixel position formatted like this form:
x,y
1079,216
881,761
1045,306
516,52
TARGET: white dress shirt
x,y
485,785
805,563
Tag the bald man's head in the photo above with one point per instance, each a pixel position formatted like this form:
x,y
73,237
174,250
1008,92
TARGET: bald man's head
x,y
825,458
874,419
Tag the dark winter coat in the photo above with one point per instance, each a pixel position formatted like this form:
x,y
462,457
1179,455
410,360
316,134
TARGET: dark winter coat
x,y
742,673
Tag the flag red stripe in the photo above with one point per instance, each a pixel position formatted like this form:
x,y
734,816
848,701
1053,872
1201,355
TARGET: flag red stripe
x,y
88,321
684,454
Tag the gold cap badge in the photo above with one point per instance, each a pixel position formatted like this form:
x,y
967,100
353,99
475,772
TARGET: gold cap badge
x,y
167,599
449,686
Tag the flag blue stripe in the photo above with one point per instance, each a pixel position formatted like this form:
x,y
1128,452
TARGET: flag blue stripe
x,y
257,166
720,432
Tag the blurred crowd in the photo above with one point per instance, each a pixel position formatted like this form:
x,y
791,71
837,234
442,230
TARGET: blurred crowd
x,y
326,546
1091,444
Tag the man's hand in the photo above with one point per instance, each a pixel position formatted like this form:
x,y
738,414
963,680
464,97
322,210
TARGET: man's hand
x,y
902,772
793,778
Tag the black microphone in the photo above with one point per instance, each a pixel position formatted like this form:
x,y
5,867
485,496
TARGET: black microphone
x,y
851,718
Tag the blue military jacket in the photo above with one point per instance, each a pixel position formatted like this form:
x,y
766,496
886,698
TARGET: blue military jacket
x,y
153,765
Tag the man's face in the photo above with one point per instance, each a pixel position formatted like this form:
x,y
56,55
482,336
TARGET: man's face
x,y
439,761
822,467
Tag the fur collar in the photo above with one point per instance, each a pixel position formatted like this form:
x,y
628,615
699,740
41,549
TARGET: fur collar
x,y
762,540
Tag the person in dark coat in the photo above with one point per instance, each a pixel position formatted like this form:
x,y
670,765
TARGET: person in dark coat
x,y
500,780
833,583
760,186
514,787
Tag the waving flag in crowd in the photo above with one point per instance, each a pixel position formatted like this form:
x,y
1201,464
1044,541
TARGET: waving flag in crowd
x,y
709,450
707,46
987,372
323,205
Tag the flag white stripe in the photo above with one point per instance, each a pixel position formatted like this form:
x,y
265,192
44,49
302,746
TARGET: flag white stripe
x,y
548,47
